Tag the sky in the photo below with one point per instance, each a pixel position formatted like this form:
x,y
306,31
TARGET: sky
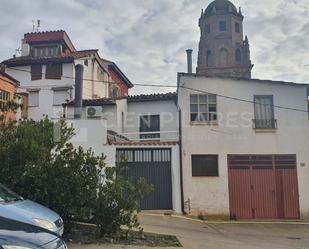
x,y
148,38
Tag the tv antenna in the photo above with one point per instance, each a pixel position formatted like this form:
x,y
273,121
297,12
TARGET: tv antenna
x,y
36,24
17,51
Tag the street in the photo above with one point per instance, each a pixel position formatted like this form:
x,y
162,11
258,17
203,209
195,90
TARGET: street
x,y
194,234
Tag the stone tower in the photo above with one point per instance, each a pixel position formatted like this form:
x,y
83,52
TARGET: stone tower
x,y
223,51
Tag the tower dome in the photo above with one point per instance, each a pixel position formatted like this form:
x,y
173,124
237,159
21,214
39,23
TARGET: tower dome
x,y
223,51
221,7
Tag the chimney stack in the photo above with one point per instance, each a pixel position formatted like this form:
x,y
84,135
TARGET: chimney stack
x,y
189,60
78,102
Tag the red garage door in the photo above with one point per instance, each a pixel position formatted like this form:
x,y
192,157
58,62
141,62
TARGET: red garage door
x,y
263,187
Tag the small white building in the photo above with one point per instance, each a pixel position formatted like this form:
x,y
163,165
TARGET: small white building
x,y
245,147
143,132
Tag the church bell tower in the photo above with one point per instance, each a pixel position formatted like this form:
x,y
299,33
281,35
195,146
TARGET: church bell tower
x,y
223,51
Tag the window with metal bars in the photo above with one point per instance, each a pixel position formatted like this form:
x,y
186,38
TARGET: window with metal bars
x,y
264,112
203,107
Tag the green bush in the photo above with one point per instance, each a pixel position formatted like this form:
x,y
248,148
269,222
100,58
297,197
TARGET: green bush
x,y
118,202
66,179
50,172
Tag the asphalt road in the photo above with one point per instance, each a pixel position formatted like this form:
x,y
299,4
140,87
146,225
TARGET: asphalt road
x,y
194,234
200,235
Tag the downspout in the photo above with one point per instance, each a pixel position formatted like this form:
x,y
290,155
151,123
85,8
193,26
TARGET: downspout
x,y
180,151
78,102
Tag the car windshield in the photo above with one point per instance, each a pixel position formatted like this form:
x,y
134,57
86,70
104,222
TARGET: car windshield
x,y
7,195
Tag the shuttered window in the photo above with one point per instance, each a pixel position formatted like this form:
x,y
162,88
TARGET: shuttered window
x,y
34,98
36,72
60,97
53,71
204,165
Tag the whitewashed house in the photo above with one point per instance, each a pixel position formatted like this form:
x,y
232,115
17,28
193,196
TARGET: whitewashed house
x,y
141,130
46,70
245,147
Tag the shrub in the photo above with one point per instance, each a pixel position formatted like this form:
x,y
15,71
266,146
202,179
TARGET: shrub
x,y
118,202
66,179
50,172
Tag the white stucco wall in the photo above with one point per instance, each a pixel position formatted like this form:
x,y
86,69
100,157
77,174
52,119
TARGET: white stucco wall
x,y
95,84
168,117
45,87
234,135
91,89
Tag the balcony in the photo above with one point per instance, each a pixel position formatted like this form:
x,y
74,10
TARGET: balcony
x,y
144,137
265,124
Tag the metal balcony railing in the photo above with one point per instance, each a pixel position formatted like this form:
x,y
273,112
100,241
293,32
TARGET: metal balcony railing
x,y
265,123
162,136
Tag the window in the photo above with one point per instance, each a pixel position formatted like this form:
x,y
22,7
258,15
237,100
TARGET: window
x,y
60,96
208,58
222,25
46,51
4,98
33,98
149,124
238,55
204,165
53,71
223,57
115,92
36,72
208,28
203,107
86,63
264,112
237,27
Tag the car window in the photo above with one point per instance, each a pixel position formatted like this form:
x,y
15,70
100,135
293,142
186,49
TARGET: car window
x,y
7,195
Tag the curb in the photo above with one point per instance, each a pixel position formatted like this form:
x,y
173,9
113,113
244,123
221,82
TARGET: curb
x,y
227,222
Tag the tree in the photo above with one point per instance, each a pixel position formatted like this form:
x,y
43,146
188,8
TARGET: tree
x,y
51,172
42,165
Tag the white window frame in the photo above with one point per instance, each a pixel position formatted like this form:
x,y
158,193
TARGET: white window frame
x,y
202,115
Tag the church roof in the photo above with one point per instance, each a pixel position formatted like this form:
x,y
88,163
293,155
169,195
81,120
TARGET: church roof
x,y
221,7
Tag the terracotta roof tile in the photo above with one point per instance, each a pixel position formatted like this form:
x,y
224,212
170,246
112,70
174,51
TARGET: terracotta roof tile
x,y
48,36
95,102
44,36
68,57
152,97
132,98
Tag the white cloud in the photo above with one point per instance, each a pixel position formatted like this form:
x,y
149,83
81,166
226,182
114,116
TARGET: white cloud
x,y
148,38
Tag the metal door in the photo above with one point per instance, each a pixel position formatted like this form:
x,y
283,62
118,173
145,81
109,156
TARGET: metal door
x,y
263,186
155,166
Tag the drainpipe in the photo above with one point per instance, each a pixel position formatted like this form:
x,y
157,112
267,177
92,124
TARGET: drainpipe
x,y
189,60
180,165
180,148
78,103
